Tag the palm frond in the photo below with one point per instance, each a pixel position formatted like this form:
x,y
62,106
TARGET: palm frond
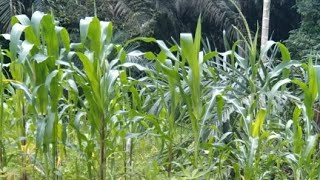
x,y
125,8
9,8
217,16
122,9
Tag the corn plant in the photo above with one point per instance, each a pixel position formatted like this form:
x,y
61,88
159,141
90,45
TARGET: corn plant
x,y
33,67
98,82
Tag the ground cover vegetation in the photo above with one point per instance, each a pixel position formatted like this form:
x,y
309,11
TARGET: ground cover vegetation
x,y
90,107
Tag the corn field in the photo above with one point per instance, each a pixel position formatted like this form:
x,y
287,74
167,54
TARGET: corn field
x,y
98,110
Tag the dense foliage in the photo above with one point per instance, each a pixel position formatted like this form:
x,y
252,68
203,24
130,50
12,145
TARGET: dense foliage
x,y
192,113
305,40
164,19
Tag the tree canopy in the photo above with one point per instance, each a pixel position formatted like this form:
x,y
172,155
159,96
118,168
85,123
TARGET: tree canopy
x,y
164,19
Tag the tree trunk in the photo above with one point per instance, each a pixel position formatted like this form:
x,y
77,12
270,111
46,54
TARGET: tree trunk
x,y
265,22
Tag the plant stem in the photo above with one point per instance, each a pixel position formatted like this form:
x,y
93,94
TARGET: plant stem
x,y
170,159
55,149
23,144
103,163
129,149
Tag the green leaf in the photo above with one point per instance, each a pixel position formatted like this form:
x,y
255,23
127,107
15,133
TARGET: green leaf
x,y
309,148
73,85
220,104
279,68
36,22
94,35
106,32
278,85
166,50
144,39
171,73
138,66
90,71
50,77
317,74
22,19
122,55
257,125
51,39
64,36
15,36
84,27
41,126
40,57
49,128
150,56
312,77
24,88
210,55
112,77
197,39
297,130
266,48
26,48
252,151
285,54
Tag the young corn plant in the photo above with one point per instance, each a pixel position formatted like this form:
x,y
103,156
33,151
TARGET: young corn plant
x,y
190,53
34,53
98,83
253,87
181,89
304,146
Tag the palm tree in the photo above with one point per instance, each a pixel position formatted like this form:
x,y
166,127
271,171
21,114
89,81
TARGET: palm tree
x,y
217,15
265,22
9,8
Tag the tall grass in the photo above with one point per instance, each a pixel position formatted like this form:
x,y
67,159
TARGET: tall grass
x,y
80,110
